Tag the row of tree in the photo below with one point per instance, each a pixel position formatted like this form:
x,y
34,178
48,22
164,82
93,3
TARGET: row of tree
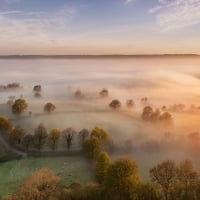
x,y
17,136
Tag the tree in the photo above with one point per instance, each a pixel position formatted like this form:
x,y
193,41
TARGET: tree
x,y
83,135
104,93
37,88
16,135
19,106
68,135
166,116
147,191
102,164
78,94
121,180
53,138
40,136
27,141
5,124
115,104
41,185
101,134
37,94
49,107
144,100
147,113
92,147
187,175
130,103
164,174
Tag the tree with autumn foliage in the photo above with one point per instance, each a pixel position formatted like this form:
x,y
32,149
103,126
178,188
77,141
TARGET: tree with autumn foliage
x,y
53,138
41,185
19,106
102,164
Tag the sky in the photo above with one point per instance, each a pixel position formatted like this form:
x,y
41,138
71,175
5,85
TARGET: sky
x,y
99,27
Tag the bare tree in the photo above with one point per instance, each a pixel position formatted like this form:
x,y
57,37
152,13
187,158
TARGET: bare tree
x,y
164,174
68,136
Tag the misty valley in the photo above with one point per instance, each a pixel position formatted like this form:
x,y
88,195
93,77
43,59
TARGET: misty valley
x,y
53,110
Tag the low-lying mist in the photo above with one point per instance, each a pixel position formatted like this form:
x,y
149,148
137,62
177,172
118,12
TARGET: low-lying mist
x,y
166,82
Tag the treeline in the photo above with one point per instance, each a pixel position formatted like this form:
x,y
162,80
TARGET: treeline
x,y
10,86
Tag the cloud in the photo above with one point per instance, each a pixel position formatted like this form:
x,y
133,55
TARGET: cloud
x,y
33,26
126,2
176,14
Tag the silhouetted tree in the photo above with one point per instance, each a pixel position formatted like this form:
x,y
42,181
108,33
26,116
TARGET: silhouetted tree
x,y
144,100
37,88
68,136
130,103
115,104
83,135
16,135
40,136
28,141
49,107
147,113
78,94
104,93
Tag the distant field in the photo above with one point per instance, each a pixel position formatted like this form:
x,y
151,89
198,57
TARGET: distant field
x,y
69,168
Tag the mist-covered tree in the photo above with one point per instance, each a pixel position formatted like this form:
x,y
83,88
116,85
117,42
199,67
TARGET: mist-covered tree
x,y
102,164
78,94
164,175
53,138
144,100
101,134
147,113
150,115
41,185
37,88
27,141
49,107
68,136
83,135
130,103
19,106
166,116
122,179
5,125
16,135
37,94
40,136
187,176
92,147
115,104
104,93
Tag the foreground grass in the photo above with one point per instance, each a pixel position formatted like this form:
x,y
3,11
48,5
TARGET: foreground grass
x,y
69,168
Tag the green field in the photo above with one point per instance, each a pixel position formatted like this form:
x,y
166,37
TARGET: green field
x,y
69,168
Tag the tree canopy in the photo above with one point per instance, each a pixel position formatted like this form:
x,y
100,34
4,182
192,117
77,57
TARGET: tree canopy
x,y
49,107
19,106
